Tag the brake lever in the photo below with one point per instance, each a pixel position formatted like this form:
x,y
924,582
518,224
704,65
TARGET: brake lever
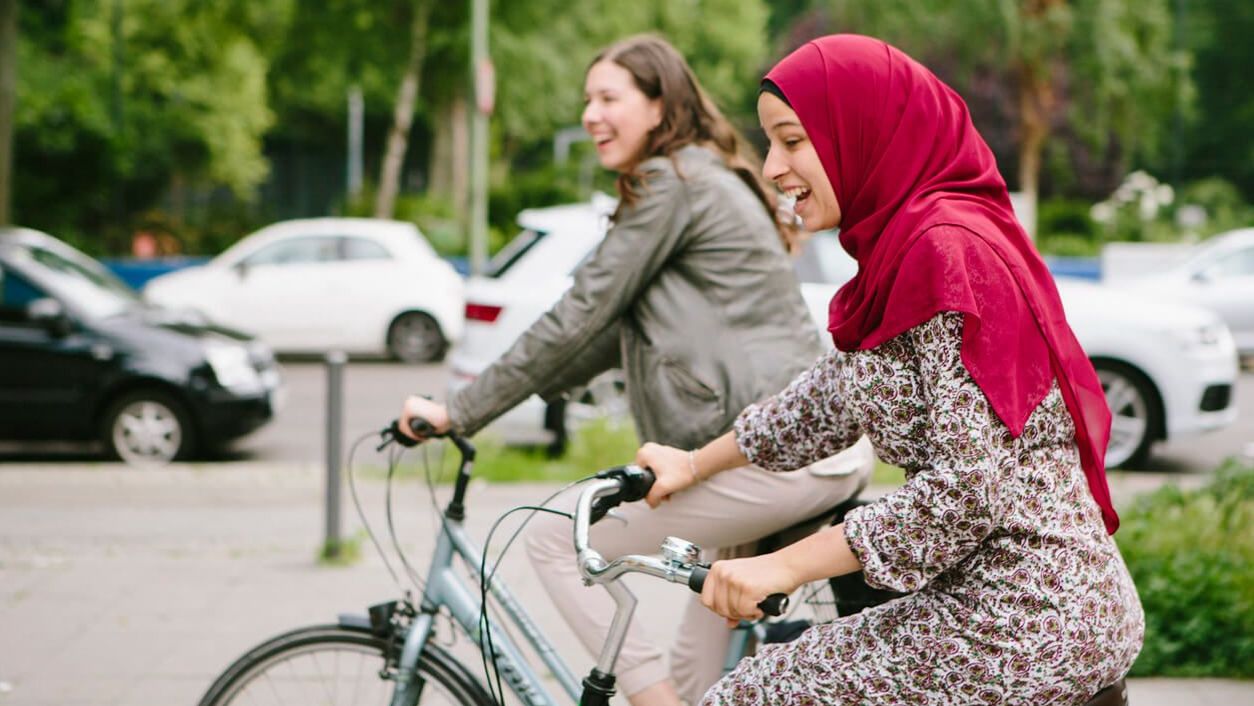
x,y
391,434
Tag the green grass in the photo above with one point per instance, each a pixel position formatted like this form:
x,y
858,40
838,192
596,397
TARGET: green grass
x,y
345,552
596,445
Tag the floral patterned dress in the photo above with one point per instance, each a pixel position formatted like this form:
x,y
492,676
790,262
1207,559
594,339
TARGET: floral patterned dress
x,y
1018,594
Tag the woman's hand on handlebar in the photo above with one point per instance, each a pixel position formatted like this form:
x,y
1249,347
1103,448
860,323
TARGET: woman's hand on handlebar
x,y
671,467
433,413
734,587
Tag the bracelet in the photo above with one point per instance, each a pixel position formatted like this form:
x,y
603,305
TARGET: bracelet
x,y
692,466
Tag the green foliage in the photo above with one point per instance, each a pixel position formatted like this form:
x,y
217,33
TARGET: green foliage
x,y
543,186
113,108
1110,64
1222,201
1191,554
1144,209
1216,141
1065,227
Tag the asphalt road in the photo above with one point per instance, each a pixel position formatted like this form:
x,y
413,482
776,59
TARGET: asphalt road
x,y
374,390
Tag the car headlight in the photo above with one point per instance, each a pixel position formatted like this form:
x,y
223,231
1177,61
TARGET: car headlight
x,y
233,367
1212,336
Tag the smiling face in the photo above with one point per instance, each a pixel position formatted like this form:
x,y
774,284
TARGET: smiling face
x,y
793,165
618,115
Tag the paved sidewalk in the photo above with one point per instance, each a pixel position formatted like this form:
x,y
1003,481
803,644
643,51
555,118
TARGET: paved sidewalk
x,y
124,587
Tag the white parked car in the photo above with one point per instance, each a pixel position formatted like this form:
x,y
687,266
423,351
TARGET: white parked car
x,y
1167,369
523,281
1218,275
363,286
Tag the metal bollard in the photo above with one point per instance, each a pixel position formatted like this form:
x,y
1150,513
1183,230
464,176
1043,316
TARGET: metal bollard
x,y
335,430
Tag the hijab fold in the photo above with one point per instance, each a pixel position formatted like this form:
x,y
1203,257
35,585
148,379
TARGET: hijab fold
x,y
904,158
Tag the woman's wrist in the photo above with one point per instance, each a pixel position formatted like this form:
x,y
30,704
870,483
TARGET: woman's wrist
x,y
692,467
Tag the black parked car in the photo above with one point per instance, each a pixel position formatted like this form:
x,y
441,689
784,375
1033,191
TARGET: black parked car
x,y
83,358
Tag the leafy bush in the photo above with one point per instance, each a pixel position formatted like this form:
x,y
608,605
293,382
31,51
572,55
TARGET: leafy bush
x,y
1064,227
1222,203
1191,554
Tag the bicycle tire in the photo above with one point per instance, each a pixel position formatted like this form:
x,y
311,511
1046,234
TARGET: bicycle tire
x,y
287,670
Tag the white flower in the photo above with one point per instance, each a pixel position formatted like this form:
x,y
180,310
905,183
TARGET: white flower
x,y
1102,212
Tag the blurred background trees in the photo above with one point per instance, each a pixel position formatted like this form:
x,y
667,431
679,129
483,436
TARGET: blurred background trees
x,y
206,120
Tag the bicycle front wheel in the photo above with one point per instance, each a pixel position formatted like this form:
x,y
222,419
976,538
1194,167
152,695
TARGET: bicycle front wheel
x,y
337,666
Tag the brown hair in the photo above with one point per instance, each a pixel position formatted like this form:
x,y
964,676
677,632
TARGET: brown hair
x,y
688,116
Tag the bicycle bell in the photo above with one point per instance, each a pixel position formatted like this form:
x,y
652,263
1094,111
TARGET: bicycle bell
x,y
680,551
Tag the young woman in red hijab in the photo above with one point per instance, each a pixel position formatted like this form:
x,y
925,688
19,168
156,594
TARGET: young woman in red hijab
x,y
954,356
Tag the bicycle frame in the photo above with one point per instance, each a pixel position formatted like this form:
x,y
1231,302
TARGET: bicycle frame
x,y
446,588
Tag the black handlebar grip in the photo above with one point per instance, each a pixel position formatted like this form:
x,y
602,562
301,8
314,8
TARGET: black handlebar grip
x,y
773,605
421,427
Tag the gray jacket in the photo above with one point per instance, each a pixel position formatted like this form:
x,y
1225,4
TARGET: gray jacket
x,y
690,293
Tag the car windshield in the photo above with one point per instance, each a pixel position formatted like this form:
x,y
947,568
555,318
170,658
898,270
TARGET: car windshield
x,y
85,283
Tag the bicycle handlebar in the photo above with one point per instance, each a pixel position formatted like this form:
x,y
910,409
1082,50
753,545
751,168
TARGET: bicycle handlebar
x,y
627,484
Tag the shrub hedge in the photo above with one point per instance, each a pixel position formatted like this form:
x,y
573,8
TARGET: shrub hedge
x,y
1191,554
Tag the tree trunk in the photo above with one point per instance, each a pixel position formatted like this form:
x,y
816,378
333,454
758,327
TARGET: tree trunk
x,y
403,115
8,104
1036,100
450,156
1036,104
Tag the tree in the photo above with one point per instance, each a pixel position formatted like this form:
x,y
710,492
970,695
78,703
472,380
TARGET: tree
x,y
8,97
191,105
1104,69
1216,139
398,136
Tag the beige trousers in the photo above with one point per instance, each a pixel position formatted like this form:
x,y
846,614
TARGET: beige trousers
x,y
732,508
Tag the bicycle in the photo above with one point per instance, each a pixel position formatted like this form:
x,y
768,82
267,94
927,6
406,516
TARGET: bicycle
x,y
395,659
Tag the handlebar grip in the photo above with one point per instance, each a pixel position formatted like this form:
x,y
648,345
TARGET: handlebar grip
x,y
421,427
773,605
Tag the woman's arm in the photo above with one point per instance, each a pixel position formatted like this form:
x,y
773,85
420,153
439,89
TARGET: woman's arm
x,y
949,507
677,469
734,587
643,240
807,421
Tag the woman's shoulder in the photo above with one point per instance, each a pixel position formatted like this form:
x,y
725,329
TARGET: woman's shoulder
x,y
687,160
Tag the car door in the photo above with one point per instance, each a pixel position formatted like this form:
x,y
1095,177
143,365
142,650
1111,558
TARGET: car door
x,y
286,293
48,379
369,280
1226,286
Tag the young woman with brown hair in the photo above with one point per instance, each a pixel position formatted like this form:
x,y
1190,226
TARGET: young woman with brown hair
x,y
692,294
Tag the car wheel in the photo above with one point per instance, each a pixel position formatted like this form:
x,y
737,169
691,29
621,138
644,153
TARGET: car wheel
x,y
148,428
1135,413
415,337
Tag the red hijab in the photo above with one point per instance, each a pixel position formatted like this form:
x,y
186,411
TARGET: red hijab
x,y
903,157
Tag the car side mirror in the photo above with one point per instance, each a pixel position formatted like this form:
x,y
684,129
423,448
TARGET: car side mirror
x,y
50,314
1203,277
241,268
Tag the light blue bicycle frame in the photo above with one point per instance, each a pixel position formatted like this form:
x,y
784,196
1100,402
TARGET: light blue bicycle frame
x,y
444,587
